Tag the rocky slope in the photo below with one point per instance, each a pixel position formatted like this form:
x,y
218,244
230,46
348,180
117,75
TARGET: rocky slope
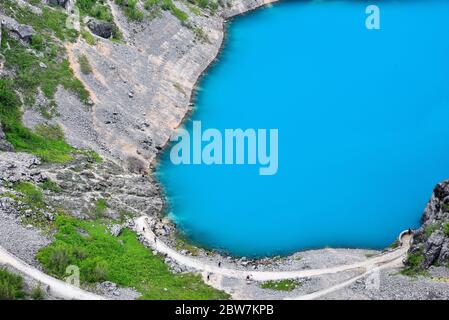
x,y
431,240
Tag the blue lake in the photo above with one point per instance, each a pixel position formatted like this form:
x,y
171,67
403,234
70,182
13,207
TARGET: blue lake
x,y
363,119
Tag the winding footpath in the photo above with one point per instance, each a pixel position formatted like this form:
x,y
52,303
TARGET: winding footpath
x,y
56,288
62,290
143,225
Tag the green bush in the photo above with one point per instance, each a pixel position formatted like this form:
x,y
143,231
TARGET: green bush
x,y
100,208
446,229
84,64
32,195
431,228
414,265
50,185
11,286
90,39
37,293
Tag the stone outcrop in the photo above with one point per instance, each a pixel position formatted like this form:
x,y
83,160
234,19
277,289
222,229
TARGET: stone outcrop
x,y
20,31
101,28
432,238
4,144
62,3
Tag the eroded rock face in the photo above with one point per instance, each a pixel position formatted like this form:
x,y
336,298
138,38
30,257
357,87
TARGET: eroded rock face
x,y
61,3
4,145
101,28
20,31
431,239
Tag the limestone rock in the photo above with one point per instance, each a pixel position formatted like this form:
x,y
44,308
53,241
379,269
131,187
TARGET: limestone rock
x,y
20,31
62,3
4,145
101,28
431,239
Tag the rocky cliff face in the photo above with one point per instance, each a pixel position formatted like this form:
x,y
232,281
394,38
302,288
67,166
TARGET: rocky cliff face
x,y
431,240
141,87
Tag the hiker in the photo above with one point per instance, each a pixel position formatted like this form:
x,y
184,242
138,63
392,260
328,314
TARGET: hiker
x,y
143,229
219,264
208,277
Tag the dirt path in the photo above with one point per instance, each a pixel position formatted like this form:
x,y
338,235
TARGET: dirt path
x,y
143,227
57,288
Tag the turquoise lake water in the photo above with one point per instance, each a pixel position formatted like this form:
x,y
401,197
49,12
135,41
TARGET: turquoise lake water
x,y
363,119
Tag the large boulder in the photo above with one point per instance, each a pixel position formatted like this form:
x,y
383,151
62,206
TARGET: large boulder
x,y
431,240
20,31
4,145
432,248
101,28
61,3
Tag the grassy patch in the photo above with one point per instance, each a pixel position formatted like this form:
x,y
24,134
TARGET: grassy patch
x,y
31,194
51,23
98,9
200,35
22,138
37,293
100,208
50,132
131,10
431,228
414,268
85,66
281,285
123,260
167,5
11,286
29,75
446,229
50,185
90,39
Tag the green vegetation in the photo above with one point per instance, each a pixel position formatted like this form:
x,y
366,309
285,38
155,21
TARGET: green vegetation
x,y
130,9
200,35
98,9
90,155
51,23
37,293
100,208
50,185
90,39
85,66
281,285
33,72
446,229
50,132
123,260
206,4
11,286
431,228
414,268
22,138
395,244
31,194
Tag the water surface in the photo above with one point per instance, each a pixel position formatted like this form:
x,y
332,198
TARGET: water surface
x,y
363,119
